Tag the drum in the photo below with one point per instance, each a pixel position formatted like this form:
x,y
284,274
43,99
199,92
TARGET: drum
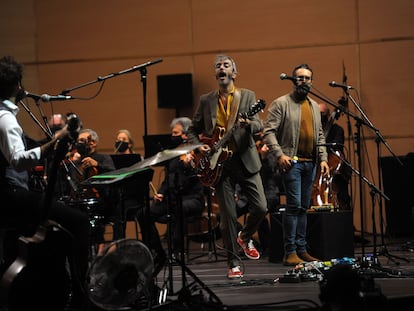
x,y
93,207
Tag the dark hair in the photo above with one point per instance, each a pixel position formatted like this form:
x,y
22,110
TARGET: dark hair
x,y
304,66
11,74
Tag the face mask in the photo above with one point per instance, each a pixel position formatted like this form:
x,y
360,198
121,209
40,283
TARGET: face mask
x,y
176,141
120,146
83,149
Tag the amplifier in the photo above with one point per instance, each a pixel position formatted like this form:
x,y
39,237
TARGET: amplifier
x,y
330,234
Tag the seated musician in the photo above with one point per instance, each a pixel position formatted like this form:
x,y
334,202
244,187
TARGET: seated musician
x,y
180,186
124,144
334,133
88,162
44,273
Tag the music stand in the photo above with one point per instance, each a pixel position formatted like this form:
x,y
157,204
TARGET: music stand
x,y
156,143
125,160
160,159
121,176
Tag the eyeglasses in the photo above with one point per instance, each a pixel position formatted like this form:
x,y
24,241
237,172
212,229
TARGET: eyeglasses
x,y
304,78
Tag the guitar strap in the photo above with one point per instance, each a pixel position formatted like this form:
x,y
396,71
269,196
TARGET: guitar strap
x,y
234,109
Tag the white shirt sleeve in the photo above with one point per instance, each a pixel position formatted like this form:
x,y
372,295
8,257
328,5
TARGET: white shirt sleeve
x,y
12,145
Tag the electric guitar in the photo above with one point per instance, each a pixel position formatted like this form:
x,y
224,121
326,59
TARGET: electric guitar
x,y
209,167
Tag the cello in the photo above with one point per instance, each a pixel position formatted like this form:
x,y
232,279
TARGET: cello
x,y
36,279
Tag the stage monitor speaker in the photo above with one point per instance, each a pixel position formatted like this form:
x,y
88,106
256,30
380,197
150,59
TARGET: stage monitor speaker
x,y
175,91
330,234
398,186
276,250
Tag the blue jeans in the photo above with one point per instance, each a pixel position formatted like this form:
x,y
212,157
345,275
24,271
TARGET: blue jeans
x,y
298,183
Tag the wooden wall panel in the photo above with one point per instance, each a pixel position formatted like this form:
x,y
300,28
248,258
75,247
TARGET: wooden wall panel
x,y
385,76
271,24
18,29
386,20
107,29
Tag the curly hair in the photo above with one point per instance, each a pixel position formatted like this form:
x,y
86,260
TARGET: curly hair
x,y
11,74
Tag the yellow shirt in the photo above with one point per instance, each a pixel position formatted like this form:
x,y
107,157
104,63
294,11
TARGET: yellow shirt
x,y
223,109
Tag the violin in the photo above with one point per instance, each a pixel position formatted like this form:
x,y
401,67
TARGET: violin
x,y
79,170
188,159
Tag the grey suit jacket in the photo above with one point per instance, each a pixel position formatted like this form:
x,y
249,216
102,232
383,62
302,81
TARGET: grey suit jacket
x,y
204,122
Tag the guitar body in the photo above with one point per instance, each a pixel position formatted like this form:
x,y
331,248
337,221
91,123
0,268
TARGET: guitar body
x,y
209,167
37,279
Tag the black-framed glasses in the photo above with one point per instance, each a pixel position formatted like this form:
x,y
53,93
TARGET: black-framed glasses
x,y
304,78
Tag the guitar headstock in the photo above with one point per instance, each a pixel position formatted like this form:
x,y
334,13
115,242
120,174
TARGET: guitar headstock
x,y
259,105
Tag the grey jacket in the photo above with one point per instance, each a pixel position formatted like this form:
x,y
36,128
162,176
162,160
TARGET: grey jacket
x,y
281,128
204,122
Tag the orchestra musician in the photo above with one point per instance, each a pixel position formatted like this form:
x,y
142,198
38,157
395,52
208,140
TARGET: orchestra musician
x,y
180,186
340,173
124,144
86,162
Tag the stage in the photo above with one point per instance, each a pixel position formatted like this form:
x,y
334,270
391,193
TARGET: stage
x,y
270,286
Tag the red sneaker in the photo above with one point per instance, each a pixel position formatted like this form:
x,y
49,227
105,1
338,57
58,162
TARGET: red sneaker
x,y
249,250
235,273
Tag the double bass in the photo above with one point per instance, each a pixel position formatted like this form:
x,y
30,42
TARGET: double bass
x,y
332,191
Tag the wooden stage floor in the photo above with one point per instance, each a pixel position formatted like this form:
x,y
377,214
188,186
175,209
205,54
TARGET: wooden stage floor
x,y
201,284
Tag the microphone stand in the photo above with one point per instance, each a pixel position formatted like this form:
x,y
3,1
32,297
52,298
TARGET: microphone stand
x,y
379,139
374,190
141,68
359,122
47,131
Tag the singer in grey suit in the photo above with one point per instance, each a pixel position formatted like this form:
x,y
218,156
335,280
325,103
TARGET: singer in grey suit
x,y
243,167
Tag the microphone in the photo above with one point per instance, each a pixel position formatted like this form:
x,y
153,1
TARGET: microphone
x,y
73,128
48,98
284,76
44,97
343,86
329,145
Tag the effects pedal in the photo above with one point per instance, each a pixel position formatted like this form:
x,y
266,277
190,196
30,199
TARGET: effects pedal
x,y
291,276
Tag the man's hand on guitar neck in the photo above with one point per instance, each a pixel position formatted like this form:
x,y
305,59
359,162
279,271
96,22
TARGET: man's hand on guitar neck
x,y
243,122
